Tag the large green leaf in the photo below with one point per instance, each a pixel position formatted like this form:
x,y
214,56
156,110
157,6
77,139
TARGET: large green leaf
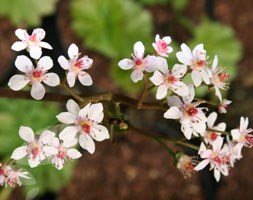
x,y
111,26
28,12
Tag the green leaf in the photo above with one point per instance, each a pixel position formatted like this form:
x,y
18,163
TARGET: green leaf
x,y
28,12
111,27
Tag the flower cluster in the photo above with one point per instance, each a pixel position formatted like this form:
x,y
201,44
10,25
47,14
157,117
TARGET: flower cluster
x,y
11,176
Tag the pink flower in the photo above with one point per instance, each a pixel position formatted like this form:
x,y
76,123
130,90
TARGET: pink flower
x,y
216,157
185,164
192,119
36,149
224,106
86,121
161,46
170,80
197,61
34,76
64,151
242,135
218,78
211,136
76,66
32,43
139,64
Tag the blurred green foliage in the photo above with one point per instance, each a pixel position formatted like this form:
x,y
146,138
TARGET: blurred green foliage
x,y
37,115
28,12
177,5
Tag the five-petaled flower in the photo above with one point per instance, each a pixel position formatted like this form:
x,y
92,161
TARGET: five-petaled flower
x,y
75,67
86,121
34,76
161,46
197,62
32,42
36,149
192,118
64,145
170,80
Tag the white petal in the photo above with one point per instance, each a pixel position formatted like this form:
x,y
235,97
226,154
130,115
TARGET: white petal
x,y
51,79
196,78
218,93
26,133
66,118
84,111
186,129
174,101
161,91
179,70
95,111
46,136
215,63
153,63
202,165
235,134
218,144
49,151
87,143
126,64
99,132
33,163
24,64
71,78
167,39
64,63
173,113
216,174
35,52
182,58
199,126
186,50
17,82
205,76
87,62
72,107
180,88
40,33
139,49
69,142
85,79
38,91
18,46
188,98
45,45
19,153
21,34
45,63
137,75
211,119
157,78
73,153
68,133
73,51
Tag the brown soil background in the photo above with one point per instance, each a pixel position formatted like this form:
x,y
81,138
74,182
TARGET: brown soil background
x,y
136,168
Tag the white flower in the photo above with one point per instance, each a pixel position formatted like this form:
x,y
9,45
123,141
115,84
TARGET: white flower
x,y
223,106
32,43
64,151
241,135
36,149
192,119
161,46
196,59
75,67
215,157
34,76
211,135
218,78
139,64
170,80
86,121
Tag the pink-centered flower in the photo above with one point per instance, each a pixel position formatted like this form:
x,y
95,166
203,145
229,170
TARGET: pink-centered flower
x,y
214,130
191,117
242,135
216,157
223,106
197,62
138,63
218,78
76,66
34,76
161,45
32,42
185,165
86,122
170,80
64,145
36,149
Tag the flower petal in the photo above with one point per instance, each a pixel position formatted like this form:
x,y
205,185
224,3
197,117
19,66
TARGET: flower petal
x,y
46,136
17,82
45,63
71,78
19,153
139,49
68,133
73,153
161,91
38,91
99,133
173,113
202,165
21,34
180,88
24,64
64,63
174,101
137,75
73,51
126,64
51,79
87,143
196,78
84,111
26,133
72,107
157,78
179,70
45,45
85,79
35,52
66,118
18,46
94,111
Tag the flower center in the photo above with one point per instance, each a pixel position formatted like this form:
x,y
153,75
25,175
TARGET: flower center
x,y
223,76
213,136
85,125
192,111
34,149
37,74
61,152
138,63
33,38
170,79
199,64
